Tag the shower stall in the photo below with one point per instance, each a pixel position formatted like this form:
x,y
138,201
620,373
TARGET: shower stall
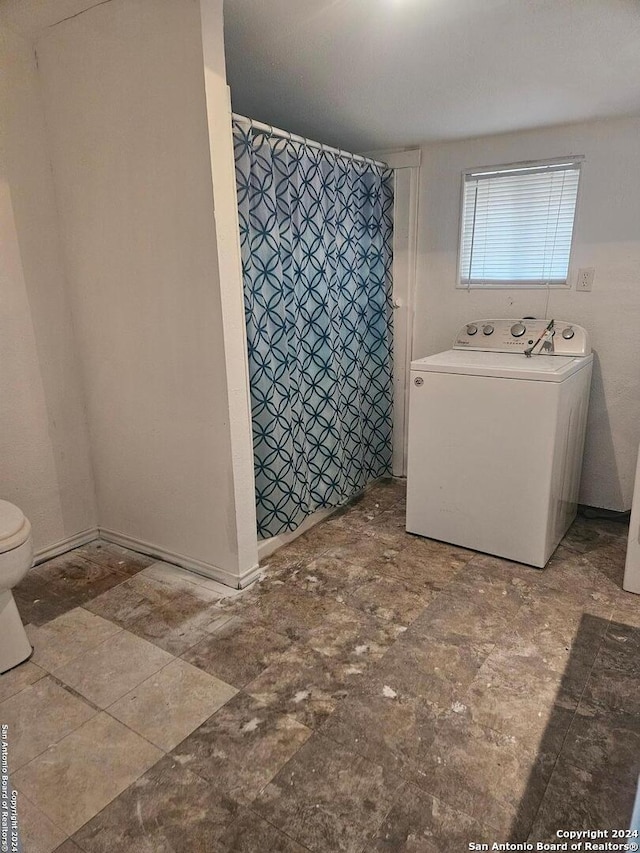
x,y
316,230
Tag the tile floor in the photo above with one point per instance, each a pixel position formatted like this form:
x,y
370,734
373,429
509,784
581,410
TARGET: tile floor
x,y
374,692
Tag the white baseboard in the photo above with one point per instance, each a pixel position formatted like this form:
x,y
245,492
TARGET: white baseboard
x,y
197,566
266,547
65,545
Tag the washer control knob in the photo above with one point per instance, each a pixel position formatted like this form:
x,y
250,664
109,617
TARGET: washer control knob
x,y
418,381
568,333
472,329
488,329
518,330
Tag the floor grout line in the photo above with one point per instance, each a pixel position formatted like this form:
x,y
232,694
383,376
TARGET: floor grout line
x,y
33,805
275,826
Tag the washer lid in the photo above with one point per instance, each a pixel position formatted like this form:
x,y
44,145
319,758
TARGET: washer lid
x,y
503,365
14,526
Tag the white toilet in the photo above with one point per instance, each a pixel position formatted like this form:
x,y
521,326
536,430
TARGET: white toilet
x,y
16,557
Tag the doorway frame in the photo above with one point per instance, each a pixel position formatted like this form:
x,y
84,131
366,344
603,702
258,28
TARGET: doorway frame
x,y
406,168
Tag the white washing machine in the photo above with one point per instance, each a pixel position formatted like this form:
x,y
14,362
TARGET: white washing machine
x,y
496,437
632,565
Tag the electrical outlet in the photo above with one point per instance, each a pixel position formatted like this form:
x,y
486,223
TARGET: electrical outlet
x,y
585,278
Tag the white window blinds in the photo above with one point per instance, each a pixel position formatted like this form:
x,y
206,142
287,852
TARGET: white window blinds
x,y
517,224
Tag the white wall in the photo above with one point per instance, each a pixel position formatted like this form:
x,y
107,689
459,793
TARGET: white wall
x,y
230,269
607,237
44,455
127,112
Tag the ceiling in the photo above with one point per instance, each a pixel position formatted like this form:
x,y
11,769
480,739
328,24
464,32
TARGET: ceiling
x,y
375,74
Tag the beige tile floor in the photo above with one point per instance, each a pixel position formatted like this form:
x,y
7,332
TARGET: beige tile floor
x,y
374,692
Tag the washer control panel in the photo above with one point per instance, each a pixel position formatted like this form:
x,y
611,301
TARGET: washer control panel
x,y
536,337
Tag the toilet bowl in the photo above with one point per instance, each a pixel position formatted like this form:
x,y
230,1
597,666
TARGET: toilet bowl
x,y
16,557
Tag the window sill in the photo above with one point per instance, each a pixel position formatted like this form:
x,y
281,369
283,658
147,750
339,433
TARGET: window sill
x,y
514,285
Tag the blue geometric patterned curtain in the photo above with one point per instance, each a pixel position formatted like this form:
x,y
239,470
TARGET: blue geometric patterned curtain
x,y
316,234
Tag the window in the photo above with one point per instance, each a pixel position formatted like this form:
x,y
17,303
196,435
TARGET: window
x,y
517,224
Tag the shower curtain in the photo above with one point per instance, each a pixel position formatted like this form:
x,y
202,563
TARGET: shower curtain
x,y
316,237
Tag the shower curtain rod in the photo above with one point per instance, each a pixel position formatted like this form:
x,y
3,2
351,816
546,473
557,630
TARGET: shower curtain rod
x,y
276,131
